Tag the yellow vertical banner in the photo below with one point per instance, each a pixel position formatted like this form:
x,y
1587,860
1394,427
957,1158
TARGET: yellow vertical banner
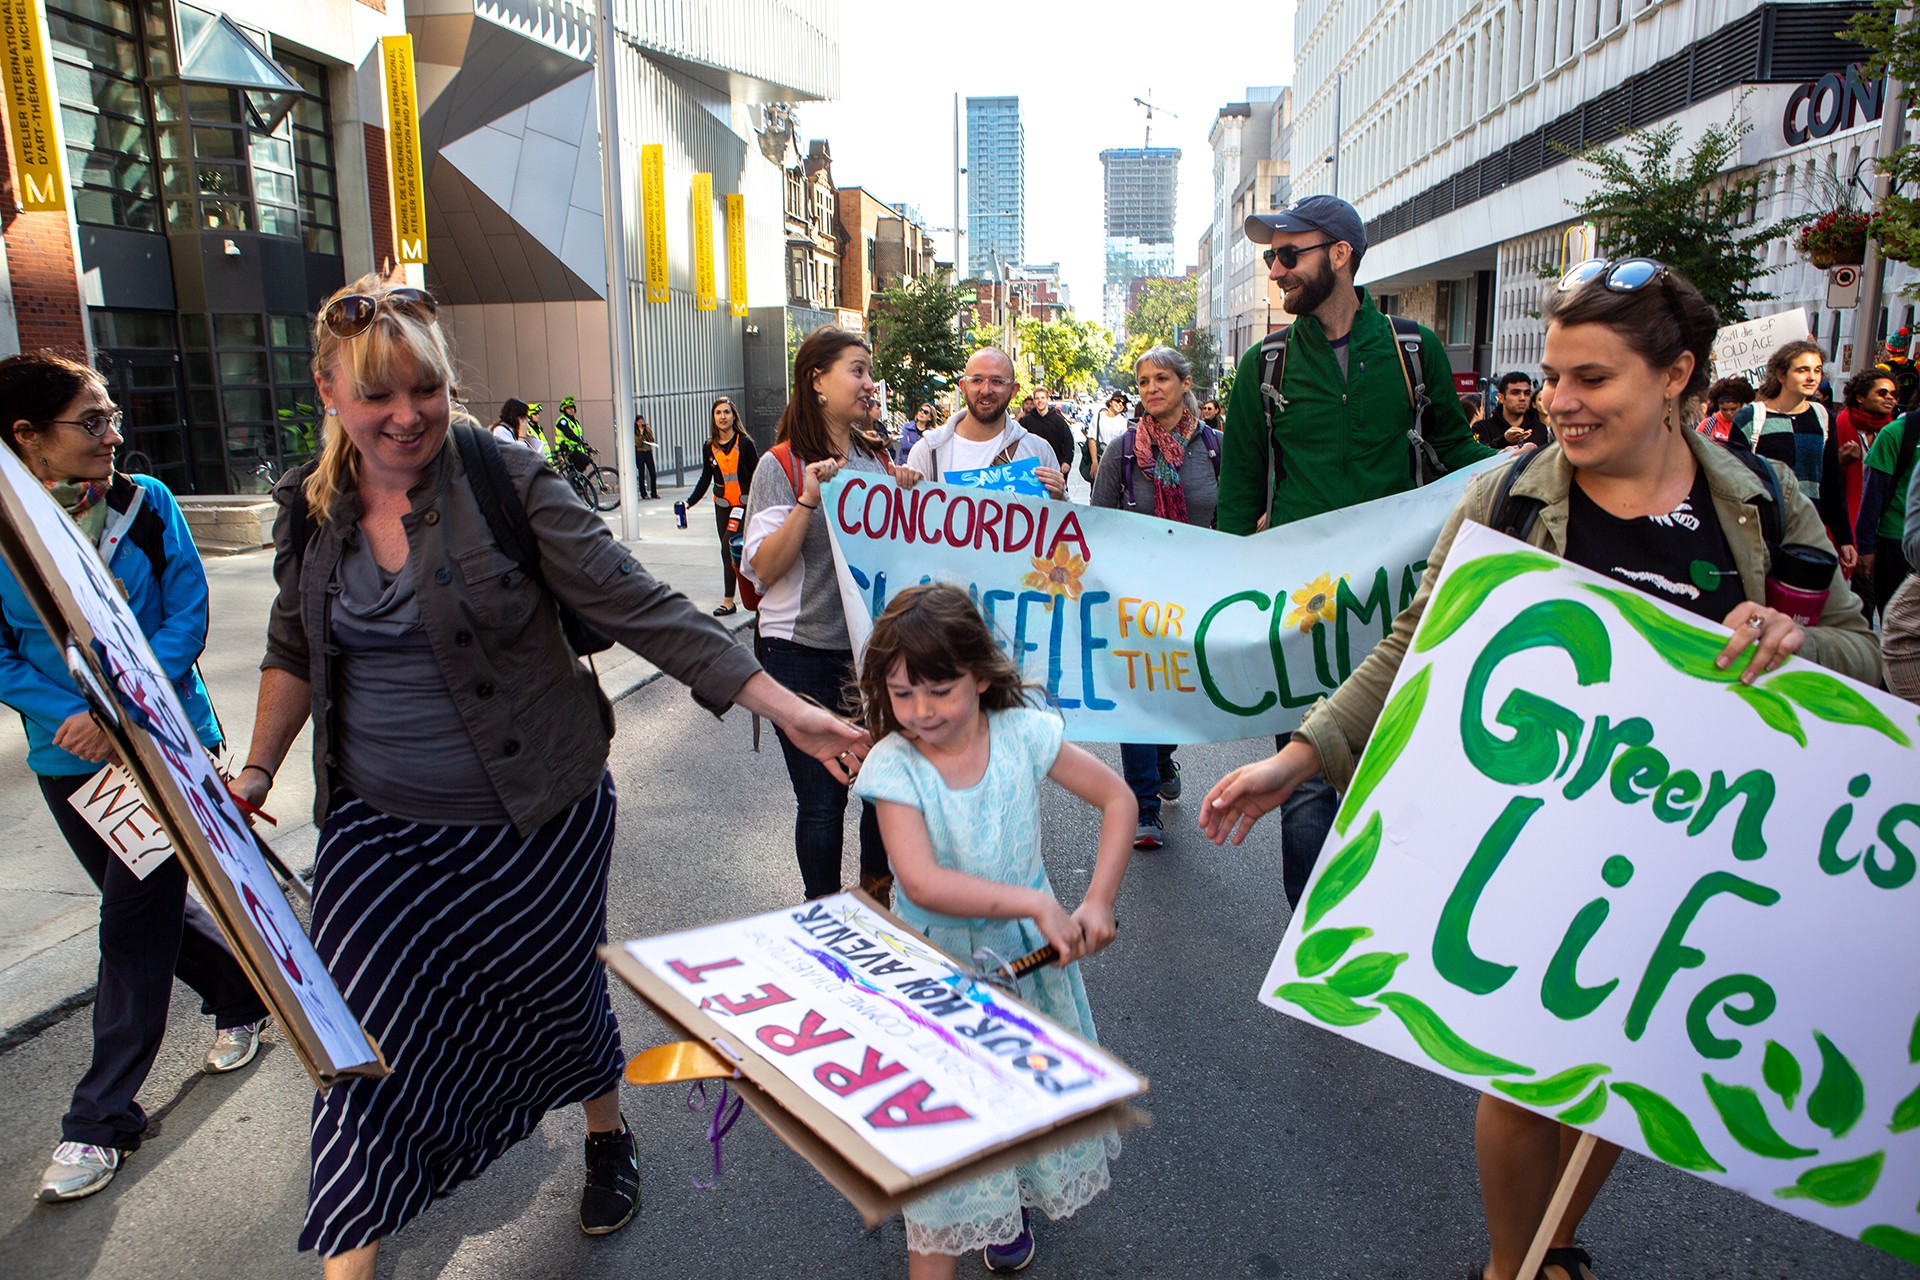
x,y
705,295
404,173
32,107
737,254
653,201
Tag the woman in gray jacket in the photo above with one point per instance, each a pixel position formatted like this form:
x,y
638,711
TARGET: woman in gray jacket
x,y
459,910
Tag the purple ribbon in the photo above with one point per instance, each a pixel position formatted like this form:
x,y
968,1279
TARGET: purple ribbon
x,y
721,1121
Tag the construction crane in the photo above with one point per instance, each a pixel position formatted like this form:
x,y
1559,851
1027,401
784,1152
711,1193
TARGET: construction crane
x,y
1151,108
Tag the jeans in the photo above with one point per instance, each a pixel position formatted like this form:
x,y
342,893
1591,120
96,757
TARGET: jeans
x,y
819,826
1306,817
150,931
1145,767
721,512
649,485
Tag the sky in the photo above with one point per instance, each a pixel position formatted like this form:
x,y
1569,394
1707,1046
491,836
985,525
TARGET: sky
x,y
1076,69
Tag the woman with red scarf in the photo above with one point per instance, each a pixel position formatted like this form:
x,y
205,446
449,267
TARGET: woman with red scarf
x,y
1167,465
1871,399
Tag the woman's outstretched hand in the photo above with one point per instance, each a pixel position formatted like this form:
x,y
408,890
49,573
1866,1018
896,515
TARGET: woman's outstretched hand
x,y
1252,791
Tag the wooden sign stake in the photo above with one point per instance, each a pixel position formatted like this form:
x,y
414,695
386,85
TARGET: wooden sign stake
x,y
1557,1207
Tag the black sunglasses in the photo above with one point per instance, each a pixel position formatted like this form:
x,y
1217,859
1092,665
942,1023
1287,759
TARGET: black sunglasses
x,y
1629,275
1288,255
351,315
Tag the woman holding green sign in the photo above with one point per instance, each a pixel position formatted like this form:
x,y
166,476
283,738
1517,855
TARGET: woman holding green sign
x,y
1626,491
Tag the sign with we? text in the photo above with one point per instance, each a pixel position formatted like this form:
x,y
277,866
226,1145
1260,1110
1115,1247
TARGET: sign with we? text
x,y
1581,867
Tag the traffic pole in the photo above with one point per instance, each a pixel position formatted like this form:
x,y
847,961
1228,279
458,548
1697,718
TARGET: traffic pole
x,y
1866,317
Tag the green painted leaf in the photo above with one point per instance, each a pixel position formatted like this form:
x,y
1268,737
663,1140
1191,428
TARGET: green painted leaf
x,y
1781,1070
1686,649
1325,1004
1746,1119
1837,1102
1344,872
1320,951
1468,587
1837,1185
1364,975
1774,710
1588,1109
1441,1043
1670,1135
1390,736
1555,1090
1835,701
1913,1041
1907,1115
1893,1240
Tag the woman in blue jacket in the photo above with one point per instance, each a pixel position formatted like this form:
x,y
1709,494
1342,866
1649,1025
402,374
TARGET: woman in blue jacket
x,y
56,415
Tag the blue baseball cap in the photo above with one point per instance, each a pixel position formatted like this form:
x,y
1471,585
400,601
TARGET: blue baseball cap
x,y
1329,215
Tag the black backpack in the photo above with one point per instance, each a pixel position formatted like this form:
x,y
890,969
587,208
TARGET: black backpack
x,y
506,518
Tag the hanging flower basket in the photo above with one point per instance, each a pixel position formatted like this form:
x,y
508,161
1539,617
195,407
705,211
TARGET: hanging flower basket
x,y
1836,237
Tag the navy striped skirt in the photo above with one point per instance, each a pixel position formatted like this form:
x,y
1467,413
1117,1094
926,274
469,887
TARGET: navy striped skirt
x,y
468,953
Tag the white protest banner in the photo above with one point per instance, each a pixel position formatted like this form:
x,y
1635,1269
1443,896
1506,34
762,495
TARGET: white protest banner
x,y
111,803
1142,630
1583,868
1741,350
903,1064
77,599
1011,477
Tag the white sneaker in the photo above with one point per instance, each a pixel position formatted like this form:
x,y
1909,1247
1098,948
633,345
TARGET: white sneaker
x,y
234,1047
78,1169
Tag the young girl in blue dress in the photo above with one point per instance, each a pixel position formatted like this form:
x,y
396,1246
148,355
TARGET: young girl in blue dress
x,y
955,774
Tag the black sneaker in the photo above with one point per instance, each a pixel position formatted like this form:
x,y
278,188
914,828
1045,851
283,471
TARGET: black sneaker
x,y
612,1194
1170,784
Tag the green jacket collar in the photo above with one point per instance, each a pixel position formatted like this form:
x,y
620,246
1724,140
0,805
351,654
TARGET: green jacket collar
x,y
1310,325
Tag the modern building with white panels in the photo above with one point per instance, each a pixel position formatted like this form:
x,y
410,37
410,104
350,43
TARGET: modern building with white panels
x,y
1251,143
1454,122
510,121
996,186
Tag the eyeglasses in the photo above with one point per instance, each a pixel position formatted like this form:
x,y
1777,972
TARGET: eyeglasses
x,y
351,315
977,381
94,424
1288,255
1629,275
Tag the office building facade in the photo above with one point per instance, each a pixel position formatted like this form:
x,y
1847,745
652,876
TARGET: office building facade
x,y
1141,187
1456,125
996,185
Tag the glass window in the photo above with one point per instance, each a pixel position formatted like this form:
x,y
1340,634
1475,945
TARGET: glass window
x,y
246,403
242,366
237,331
97,66
290,332
319,220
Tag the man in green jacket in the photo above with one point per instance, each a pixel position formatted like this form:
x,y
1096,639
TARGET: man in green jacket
x,y
1336,424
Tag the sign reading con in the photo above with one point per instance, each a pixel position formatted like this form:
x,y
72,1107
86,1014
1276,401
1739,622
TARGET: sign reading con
x,y
32,107
1581,867
876,1039
79,602
405,175
1141,630
1837,100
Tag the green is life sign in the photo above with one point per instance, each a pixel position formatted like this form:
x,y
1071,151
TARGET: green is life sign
x,y
1582,868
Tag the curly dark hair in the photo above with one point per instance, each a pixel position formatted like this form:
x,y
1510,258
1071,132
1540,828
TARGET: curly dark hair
x,y
1861,383
939,634
1736,389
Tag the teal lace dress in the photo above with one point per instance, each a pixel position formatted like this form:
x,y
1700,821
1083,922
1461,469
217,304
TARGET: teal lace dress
x,y
992,830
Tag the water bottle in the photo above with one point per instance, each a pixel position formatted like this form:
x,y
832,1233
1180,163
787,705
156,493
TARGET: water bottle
x,y
1798,580
680,514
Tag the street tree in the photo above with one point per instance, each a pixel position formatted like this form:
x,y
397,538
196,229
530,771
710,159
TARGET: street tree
x,y
1652,202
1895,47
918,346
1068,353
1164,317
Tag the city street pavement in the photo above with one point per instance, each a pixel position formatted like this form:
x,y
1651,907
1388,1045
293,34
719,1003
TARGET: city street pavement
x,y
49,909
1276,1149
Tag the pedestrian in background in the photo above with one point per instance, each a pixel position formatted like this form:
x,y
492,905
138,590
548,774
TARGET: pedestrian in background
x,y
57,417
959,755
923,421
1900,627
1515,418
649,475
1788,423
515,427
1043,419
727,462
1870,398
1624,466
460,916
801,633
1108,426
1887,481
1210,414
1167,467
1725,399
1475,409
1334,431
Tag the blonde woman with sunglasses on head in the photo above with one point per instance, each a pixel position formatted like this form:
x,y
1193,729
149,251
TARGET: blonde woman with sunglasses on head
x,y
459,911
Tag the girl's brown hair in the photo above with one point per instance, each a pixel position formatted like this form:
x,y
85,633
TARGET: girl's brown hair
x,y
349,365
1658,322
38,387
713,417
936,631
802,424
1780,364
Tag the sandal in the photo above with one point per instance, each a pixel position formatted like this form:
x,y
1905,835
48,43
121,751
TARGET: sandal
x,y
724,610
1574,1261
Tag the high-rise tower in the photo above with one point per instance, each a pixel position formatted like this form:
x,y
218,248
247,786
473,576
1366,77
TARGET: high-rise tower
x,y
1141,186
996,184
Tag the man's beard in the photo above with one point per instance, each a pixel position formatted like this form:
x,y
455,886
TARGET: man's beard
x,y
1315,291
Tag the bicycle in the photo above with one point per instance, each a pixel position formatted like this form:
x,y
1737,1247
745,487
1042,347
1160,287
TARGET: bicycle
x,y
598,486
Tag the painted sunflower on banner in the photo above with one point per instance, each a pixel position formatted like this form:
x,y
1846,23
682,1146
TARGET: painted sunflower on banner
x,y
1313,603
1058,575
